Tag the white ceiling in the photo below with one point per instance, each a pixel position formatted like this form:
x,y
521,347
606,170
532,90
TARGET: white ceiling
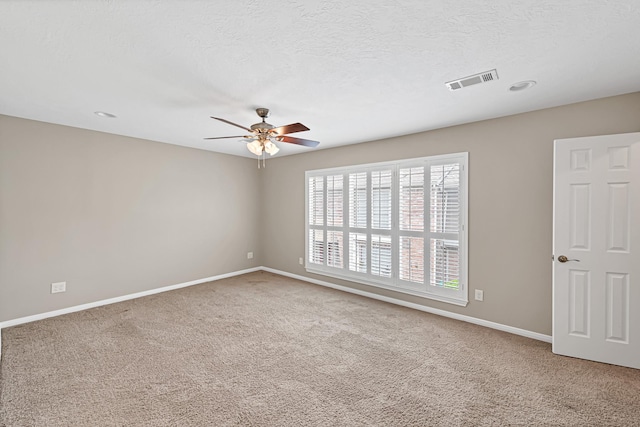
x,y
351,71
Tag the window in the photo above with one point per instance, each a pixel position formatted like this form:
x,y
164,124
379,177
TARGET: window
x,y
397,225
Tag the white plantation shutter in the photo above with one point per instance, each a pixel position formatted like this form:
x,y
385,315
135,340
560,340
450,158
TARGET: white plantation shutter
x,y
358,200
315,193
381,209
381,199
412,259
381,255
334,200
412,199
445,224
444,263
316,246
445,194
358,252
335,248
358,248
335,208
397,225
411,219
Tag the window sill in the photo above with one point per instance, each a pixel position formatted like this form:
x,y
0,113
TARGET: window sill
x,y
462,302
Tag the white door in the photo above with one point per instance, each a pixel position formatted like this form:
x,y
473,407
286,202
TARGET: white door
x,y
596,246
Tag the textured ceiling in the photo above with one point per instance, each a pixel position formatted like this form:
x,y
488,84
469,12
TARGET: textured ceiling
x,y
351,71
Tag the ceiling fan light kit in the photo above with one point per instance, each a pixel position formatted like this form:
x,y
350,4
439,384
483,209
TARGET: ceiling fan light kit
x,y
263,135
258,147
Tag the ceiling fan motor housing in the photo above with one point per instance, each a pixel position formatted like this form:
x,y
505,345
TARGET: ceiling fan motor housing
x,y
262,127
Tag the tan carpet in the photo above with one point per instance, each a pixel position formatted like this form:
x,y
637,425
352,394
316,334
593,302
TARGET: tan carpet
x,y
262,350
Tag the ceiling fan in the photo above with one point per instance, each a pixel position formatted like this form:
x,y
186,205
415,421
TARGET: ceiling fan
x,y
262,135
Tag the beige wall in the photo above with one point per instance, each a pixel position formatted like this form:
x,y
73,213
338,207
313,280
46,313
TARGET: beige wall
x,y
112,215
510,201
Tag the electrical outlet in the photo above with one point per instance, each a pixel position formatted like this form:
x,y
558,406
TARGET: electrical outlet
x,y
300,261
249,255
58,287
479,295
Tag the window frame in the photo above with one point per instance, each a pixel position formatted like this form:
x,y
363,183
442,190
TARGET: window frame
x,y
458,296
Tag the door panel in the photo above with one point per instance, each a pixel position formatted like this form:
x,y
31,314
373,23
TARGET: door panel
x,y
596,227
579,290
617,308
580,216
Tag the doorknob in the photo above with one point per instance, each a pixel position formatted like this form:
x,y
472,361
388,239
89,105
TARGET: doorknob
x,y
563,258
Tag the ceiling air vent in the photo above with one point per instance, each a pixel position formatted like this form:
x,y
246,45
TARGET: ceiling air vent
x,y
484,77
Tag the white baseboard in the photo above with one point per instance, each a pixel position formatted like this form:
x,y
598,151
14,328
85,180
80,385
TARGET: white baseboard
x,y
481,322
81,307
456,316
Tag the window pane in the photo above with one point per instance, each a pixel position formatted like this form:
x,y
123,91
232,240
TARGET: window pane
x,y
335,249
412,199
381,200
381,255
358,252
412,259
445,198
334,200
316,246
358,200
444,263
316,203
396,225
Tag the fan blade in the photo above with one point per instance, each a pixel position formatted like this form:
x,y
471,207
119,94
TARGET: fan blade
x,y
294,127
224,137
299,141
231,123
